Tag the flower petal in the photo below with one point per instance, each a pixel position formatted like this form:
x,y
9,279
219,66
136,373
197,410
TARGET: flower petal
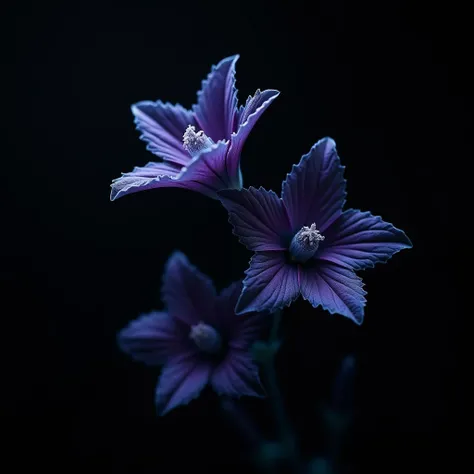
x,y
334,288
162,126
153,175
188,294
248,117
255,106
217,101
359,240
270,284
228,297
181,380
258,217
315,190
225,318
151,338
154,169
208,172
240,332
237,375
205,174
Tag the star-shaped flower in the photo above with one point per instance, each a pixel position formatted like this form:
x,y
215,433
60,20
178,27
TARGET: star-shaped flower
x,y
199,148
199,339
304,242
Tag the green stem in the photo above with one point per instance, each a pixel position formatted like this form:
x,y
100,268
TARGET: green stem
x,y
286,434
275,326
242,422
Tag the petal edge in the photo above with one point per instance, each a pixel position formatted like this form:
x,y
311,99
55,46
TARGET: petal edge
x,y
336,289
258,218
315,189
270,284
359,240
217,100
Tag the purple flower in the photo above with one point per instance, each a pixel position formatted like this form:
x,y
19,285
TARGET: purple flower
x,y
200,148
304,242
199,339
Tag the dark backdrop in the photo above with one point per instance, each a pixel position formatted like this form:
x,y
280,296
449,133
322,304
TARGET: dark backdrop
x,y
390,83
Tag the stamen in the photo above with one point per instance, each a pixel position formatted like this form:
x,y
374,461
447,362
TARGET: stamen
x,y
194,143
206,338
305,243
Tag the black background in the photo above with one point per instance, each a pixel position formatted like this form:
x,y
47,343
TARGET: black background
x,y
389,81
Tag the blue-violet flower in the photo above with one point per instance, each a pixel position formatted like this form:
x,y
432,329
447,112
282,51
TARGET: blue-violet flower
x,y
304,242
199,339
200,148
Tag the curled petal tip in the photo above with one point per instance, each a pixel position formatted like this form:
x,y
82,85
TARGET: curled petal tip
x,y
232,57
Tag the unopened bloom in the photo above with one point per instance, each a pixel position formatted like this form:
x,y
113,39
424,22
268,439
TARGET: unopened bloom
x,y
304,243
199,339
199,149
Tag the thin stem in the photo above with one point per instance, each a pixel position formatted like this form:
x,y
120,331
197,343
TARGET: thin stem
x,y
252,437
275,326
340,410
334,452
286,434
242,422
277,401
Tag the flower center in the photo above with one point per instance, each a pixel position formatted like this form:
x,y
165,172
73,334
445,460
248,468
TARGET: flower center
x,y
206,338
305,243
194,143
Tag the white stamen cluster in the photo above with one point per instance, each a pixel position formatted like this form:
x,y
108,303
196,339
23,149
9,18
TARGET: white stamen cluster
x,y
305,243
310,235
194,142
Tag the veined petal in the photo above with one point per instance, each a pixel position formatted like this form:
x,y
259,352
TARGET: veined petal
x,y
181,380
334,288
248,330
217,101
206,174
228,297
188,294
315,189
359,240
143,179
246,120
237,375
255,106
162,126
154,169
241,332
151,338
270,284
225,318
258,218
